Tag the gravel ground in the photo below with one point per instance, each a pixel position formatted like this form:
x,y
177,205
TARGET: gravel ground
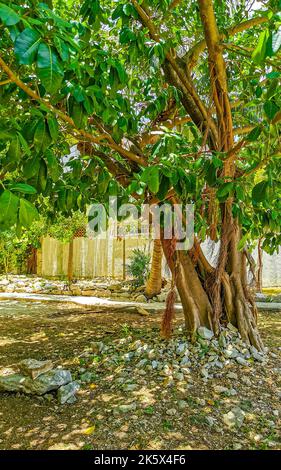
x,y
128,404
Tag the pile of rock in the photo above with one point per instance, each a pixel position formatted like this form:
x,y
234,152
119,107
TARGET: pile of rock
x,y
174,360
39,378
99,287
102,288
38,285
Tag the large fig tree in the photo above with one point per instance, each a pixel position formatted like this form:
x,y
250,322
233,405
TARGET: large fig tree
x,y
169,100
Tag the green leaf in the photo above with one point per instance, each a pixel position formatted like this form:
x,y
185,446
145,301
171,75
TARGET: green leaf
x,y
126,35
211,173
27,213
103,182
54,169
259,192
23,188
50,71
118,12
6,134
273,74
62,49
153,180
79,94
42,137
258,92
14,152
24,144
70,199
31,167
8,16
242,242
240,192
129,10
78,115
225,189
26,46
164,188
42,175
62,200
53,127
270,109
254,134
9,204
259,53
121,72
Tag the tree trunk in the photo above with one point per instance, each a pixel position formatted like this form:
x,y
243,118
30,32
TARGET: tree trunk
x,y
196,306
31,263
243,311
154,282
201,287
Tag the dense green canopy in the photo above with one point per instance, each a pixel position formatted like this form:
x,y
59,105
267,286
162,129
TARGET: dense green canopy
x,y
130,83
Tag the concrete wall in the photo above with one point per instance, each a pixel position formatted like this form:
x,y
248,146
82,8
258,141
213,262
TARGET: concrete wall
x,y
271,275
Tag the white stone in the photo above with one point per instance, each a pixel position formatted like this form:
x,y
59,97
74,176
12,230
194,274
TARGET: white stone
x,y
205,333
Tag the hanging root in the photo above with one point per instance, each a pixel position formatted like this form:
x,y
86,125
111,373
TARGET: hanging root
x,y
212,216
169,314
216,288
195,252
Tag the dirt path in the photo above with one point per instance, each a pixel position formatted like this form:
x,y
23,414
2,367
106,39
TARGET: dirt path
x,y
62,332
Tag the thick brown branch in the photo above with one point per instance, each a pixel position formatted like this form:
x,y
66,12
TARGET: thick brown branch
x,y
193,54
174,4
262,163
121,174
218,76
5,82
191,100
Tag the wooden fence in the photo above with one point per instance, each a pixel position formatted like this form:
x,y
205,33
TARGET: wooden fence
x,y
109,258
91,257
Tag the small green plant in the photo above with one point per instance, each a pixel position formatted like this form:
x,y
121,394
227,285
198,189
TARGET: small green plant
x,y
167,425
149,410
88,447
138,267
125,329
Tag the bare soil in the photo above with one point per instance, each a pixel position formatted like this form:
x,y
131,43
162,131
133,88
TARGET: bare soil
x,y
62,332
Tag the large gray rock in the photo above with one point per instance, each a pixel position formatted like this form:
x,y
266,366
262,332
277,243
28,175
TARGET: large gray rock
x,y
140,298
34,368
127,408
162,297
241,361
67,392
45,383
234,418
261,297
205,333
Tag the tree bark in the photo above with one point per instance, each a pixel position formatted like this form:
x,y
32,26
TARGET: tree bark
x,y
193,283
154,282
244,311
196,306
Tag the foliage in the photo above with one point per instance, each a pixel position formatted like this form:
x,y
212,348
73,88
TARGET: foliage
x,y
14,248
100,79
8,254
139,267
